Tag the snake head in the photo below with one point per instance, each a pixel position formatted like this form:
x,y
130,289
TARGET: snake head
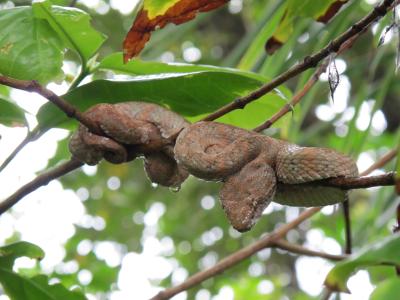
x,y
246,194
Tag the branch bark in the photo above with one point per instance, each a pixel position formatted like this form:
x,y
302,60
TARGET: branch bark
x,y
360,182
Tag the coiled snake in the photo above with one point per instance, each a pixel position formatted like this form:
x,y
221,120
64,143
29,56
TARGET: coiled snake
x,y
255,169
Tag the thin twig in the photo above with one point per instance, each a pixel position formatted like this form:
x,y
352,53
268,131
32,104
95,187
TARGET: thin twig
x,y
295,100
347,226
32,136
307,63
67,108
293,248
396,229
382,162
248,251
39,181
307,87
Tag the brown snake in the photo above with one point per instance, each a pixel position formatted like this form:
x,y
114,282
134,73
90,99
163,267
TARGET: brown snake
x,y
133,129
255,169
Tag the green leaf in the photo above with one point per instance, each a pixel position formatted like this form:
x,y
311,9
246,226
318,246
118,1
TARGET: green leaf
x,y
29,47
9,253
190,94
256,49
321,11
73,26
11,114
387,290
21,288
384,252
18,287
114,62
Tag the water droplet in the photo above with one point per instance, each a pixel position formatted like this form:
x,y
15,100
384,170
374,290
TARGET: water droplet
x,y
175,189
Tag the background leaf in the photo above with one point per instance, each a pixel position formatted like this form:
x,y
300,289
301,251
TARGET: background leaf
x,y
383,252
211,90
20,288
9,253
387,290
115,63
73,26
11,114
321,11
29,47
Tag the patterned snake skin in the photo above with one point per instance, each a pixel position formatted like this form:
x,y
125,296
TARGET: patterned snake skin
x,y
255,169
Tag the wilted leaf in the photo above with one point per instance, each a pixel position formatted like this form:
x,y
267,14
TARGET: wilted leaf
x,y
383,252
158,13
321,11
333,76
384,34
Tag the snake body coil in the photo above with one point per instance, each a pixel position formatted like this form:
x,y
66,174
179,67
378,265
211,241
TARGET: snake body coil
x,y
255,169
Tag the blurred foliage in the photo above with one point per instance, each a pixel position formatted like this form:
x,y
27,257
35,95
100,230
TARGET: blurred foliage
x,y
362,122
21,287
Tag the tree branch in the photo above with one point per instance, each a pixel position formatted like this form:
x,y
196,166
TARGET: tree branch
x,y
307,63
39,181
67,108
362,182
293,248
